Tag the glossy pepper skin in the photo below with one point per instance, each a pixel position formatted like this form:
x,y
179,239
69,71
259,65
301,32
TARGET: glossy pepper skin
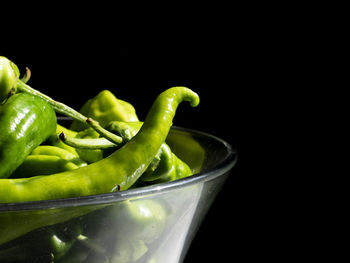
x,y
118,171
104,108
25,122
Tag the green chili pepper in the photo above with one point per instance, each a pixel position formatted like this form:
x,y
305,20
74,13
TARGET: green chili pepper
x,y
169,168
47,243
26,249
35,165
104,108
59,152
25,122
190,149
166,166
9,74
63,237
45,160
85,250
118,171
17,223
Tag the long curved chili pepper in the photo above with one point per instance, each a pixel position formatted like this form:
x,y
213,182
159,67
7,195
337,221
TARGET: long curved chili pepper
x,y
118,171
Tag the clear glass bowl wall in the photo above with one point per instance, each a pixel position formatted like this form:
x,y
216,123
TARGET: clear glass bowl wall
x,y
153,224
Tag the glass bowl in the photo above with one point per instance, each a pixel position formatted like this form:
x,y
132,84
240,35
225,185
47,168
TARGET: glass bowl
x,y
152,224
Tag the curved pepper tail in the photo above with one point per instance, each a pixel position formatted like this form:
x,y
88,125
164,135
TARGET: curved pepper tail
x,y
186,94
195,99
167,103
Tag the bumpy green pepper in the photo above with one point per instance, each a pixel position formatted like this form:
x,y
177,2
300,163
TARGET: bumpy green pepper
x,y
118,171
25,122
104,108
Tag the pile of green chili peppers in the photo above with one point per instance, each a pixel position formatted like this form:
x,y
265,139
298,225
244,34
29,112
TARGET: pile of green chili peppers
x,y
105,149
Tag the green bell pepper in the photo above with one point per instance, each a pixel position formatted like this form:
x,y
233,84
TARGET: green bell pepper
x,y
25,122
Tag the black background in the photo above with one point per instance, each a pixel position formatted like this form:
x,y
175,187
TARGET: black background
x,y
232,65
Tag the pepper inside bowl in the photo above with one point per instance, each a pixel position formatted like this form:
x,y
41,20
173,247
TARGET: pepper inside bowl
x,y
151,224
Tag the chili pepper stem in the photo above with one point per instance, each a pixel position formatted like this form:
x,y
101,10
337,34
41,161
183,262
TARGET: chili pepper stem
x,y
90,144
109,136
26,76
68,111
58,106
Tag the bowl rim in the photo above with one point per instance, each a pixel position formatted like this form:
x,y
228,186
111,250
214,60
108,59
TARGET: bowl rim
x,y
226,164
